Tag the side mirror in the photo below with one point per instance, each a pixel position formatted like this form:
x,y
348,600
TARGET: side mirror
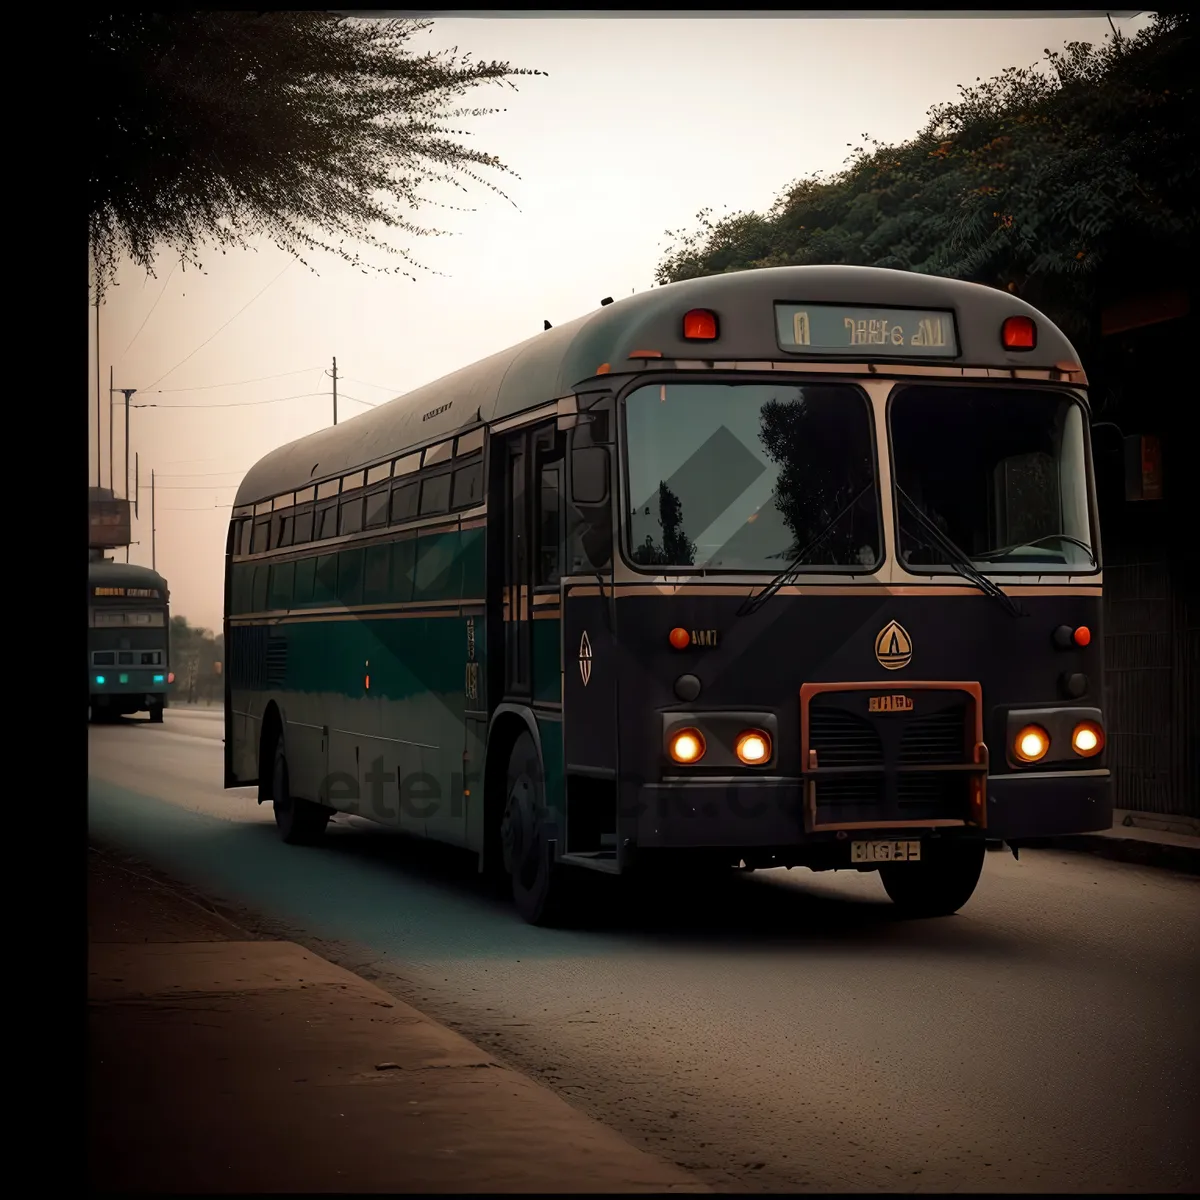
x,y
589,475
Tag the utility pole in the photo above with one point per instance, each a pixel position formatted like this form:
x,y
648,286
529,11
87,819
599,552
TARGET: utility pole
x,y
126,392
334,377
153,560
137,489
111,482
97,387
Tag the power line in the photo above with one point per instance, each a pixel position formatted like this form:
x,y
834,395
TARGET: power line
x,y
142,326
204,508
201,474
226,325
239,403
236,383
380,386
191,487
368,403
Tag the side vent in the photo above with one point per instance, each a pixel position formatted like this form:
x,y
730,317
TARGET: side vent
x,y
277,655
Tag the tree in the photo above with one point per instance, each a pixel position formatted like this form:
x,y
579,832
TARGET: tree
x,y
195,653
302,127
1059,184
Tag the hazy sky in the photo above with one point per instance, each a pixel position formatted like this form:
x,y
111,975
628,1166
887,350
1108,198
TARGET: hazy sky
x,y
641,123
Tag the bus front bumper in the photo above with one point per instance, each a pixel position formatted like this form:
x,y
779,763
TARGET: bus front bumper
x,y
766,814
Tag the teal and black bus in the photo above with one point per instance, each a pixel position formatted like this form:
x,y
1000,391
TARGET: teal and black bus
x,y
129,627
796,566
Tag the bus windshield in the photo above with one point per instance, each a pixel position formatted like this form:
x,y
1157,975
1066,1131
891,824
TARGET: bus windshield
x,y
1002,472
747,476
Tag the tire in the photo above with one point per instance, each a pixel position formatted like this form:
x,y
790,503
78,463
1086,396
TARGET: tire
x,y
543,891
940,884
156,714
300,822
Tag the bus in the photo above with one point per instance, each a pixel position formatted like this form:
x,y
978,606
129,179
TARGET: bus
x,y
129,664
796,566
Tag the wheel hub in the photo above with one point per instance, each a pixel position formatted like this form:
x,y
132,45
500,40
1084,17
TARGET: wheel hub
x,y
519,828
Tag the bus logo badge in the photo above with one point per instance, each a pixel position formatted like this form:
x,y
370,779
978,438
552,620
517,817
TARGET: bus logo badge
x,y
893,647
585,658
883,704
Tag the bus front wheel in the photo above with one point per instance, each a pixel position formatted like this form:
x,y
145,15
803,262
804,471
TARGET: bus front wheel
x,y
940,884
542,890
300,822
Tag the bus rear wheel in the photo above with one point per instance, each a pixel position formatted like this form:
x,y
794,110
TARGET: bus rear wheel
x,y
940,884
542,890
156,712
300,822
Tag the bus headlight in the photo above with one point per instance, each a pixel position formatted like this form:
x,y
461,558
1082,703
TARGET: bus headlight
x,y
1031,744
754,747
1088,739
687,746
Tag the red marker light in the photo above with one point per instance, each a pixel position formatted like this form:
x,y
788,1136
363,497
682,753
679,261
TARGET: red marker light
x,y
700,325
680,639
171,677
1083,635
1018,333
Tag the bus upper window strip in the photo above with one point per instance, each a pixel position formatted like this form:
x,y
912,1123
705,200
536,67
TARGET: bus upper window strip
x,y
329,488
469,443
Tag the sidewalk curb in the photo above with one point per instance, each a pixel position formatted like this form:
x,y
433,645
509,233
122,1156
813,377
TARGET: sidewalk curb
x,y
1143,852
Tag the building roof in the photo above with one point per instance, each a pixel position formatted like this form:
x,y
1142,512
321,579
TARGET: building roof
x,y
554,363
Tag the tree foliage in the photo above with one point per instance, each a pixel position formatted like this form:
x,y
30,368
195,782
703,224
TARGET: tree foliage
x,y
1054,181
196,655
309,129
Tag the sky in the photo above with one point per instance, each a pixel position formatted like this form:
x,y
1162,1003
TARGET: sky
x,y
639,124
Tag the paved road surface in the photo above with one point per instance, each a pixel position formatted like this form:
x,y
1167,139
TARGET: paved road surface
x,y
795,1037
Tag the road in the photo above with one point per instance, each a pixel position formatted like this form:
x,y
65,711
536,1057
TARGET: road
x,y
792,1036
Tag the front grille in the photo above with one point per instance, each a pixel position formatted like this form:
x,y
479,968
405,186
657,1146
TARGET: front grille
x,y
890,748
842,739
936,737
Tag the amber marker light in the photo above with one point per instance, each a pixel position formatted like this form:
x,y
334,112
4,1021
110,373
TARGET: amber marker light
x,y
1031,744
680,638
1088,739
687,746
754,747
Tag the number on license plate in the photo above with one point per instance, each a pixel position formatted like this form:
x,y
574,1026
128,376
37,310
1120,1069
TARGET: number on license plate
x,y
875,852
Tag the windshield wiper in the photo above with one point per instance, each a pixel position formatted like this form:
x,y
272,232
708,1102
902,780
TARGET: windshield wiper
x,y
959,559
755,601
1002,551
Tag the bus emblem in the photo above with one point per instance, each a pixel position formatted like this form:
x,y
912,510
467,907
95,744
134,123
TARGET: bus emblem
x,y
893,647
585,658
889,704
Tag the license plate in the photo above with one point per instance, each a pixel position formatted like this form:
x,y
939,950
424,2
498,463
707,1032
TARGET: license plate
x,y
876,852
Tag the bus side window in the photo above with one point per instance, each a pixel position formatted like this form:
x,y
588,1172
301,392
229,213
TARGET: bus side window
x,y
352,514
258,601
435,495
306,576
245,529
549,553
303,530
325,587
258,542
282,578
327,522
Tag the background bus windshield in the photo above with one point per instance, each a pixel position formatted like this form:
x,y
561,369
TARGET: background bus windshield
x,y
748,476
1001,472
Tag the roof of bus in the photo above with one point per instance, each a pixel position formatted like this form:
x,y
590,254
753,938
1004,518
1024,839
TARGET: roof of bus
x,y
115,574
553,363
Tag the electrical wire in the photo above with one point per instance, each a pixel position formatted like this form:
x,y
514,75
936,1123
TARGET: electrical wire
x,y
161,294
204,387
231,320
240,403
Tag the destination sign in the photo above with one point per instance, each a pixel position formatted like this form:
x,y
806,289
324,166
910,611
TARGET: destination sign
x,y
129,593
880,332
